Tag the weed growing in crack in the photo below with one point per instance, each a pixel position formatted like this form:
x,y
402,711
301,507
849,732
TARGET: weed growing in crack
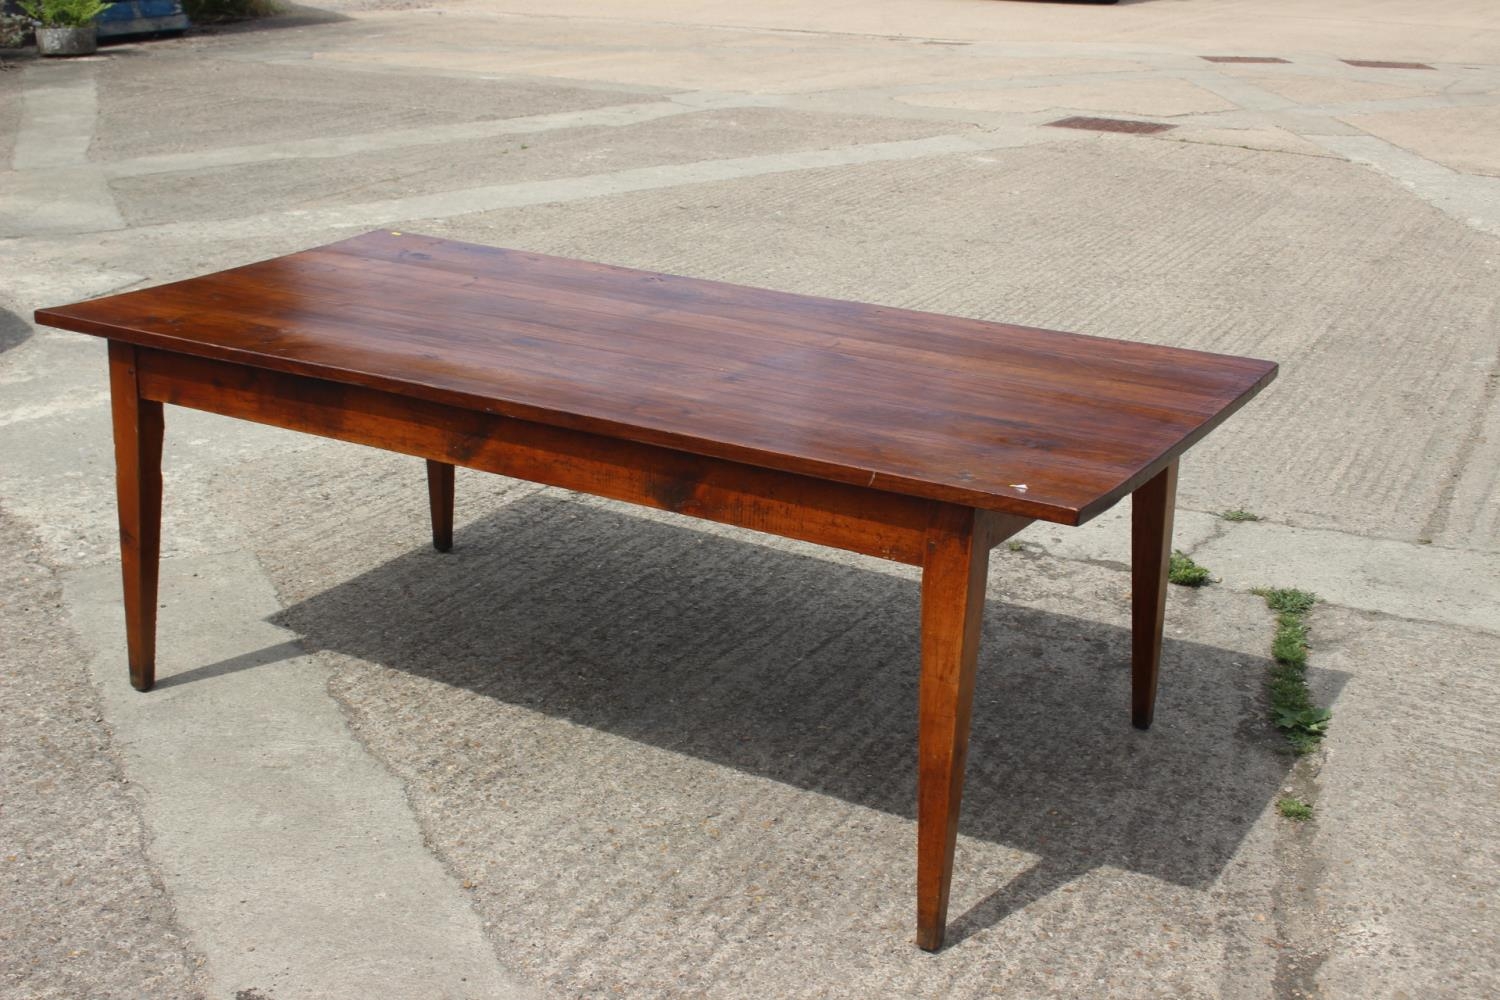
x,y
1186,573
1303,723
1294,808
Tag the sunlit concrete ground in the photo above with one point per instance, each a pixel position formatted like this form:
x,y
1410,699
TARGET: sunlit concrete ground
x,y
601,752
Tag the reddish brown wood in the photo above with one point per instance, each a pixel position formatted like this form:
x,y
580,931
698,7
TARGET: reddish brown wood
x,y
440,498
920,438
138,439
953,589
940,407
888,525
1151,513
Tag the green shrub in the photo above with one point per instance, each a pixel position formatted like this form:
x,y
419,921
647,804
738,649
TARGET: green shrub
x,y
63,13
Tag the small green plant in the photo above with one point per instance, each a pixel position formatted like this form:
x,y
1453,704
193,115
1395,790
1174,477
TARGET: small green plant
x,y
1294,808
1303,723
63,13
1016,546
1184,572
1239,514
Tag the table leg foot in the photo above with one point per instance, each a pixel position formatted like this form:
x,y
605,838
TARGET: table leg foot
x,y
1151,512
953,586
138,438
440,496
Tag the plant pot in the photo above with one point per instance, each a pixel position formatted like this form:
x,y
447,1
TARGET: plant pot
x,y
67,41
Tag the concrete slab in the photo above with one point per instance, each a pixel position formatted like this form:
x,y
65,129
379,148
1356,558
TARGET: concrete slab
x,y
196,102
1455,137
465,164
291,854
675,759
1163,98
1331,89
1271,140
1461,31
1401,579
85,911
1400,865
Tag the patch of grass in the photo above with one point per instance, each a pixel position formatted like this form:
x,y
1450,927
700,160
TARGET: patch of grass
x,y
1239,514
1294,808
1016,546
1186,573
1303,723
1288,600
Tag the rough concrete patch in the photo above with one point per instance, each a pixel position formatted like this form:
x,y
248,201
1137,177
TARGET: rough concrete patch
x,y
1460,138
188,104
1409,853
83,911
1472,515
312,183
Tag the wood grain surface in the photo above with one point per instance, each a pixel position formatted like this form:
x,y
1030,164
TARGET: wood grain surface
x,y
1032,422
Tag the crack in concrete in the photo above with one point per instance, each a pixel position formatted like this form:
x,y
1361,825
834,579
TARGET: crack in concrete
x,y
1300,949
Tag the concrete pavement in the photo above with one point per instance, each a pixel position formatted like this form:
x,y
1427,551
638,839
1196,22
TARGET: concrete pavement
x,y
604,752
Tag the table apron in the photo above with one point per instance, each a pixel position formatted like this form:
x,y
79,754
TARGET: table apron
x,y
873,522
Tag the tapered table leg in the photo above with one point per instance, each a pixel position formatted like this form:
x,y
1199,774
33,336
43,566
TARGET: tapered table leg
x,y
440,496
138,437
1151,511
953,584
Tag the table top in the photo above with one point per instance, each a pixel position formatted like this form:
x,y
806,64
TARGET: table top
x,y
1034,422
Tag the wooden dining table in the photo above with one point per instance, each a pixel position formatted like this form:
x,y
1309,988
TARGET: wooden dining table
x,y
909,436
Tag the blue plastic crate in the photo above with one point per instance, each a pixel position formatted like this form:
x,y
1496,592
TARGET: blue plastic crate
x,y
141,17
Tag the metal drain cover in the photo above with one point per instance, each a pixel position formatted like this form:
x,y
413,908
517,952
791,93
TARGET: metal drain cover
x,y
1112,125
1245,59
1382,64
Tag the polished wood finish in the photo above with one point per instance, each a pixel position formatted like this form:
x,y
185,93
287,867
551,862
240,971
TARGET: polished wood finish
x,y
888,525
1151,509
440,498
1033,422
953,588
138,431
919,438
